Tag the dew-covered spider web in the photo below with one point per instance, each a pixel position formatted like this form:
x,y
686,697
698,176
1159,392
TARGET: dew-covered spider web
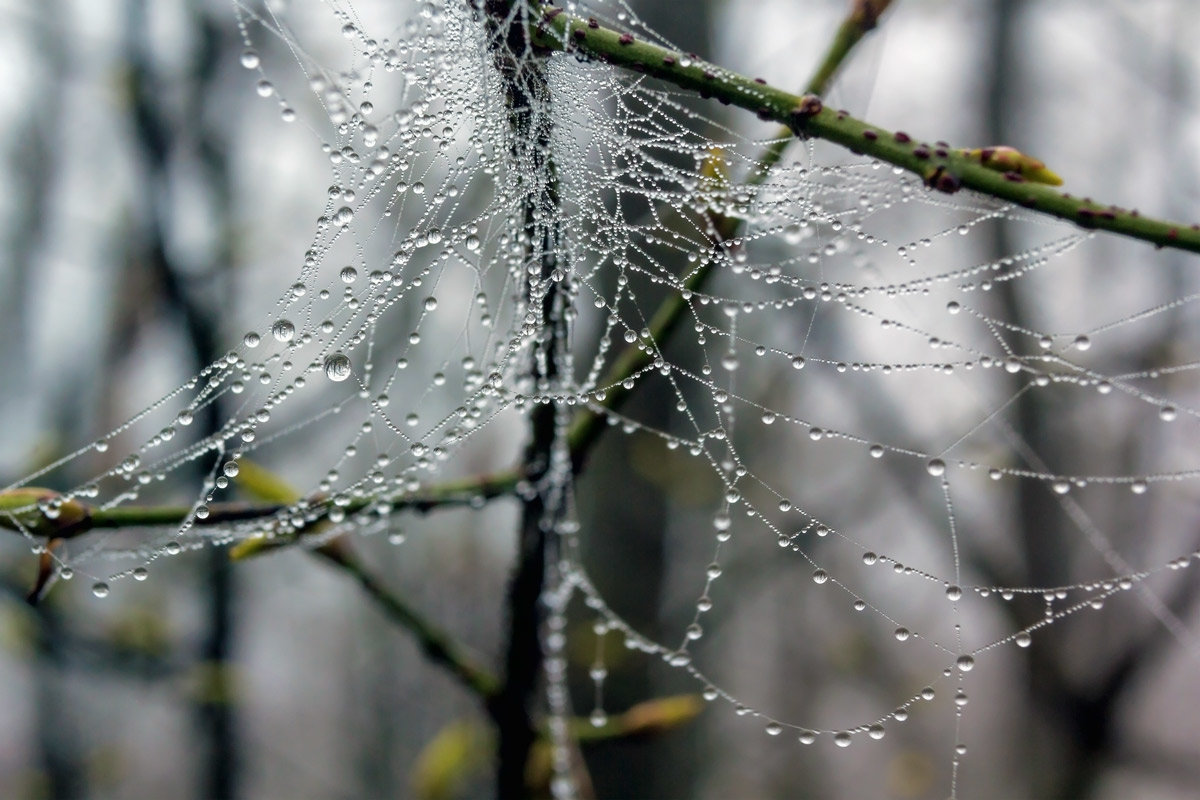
x,y
859,392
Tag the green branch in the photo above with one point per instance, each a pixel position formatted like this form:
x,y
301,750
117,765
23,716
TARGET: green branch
x,y
22,508
861,20
940,166
437,646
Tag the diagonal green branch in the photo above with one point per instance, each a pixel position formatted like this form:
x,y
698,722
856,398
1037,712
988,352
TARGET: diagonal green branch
x,y
860,20
940,166
437,646
863,17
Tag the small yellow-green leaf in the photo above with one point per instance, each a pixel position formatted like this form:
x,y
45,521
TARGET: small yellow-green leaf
x,y
249,548
714,170
644,719
262,484
450,759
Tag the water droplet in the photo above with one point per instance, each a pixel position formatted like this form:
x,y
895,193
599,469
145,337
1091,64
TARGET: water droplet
x,y
869,558
472,243
251,339
876,731
343,216
1023,639
798,362
902,634
283,330
230,468
774,729
100,589
954,593
680,658
936,467
337,367
348,274
965,663
876,451
807,737
1167,413
820,576
250,59
1138,487
140,574
1082,342
598,718
264,88
431,303
842,738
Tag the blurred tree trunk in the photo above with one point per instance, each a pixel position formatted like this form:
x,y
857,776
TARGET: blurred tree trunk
x,y
1077,734
185,304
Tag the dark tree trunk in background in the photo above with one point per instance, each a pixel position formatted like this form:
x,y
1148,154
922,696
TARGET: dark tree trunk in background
x,y
1077,736
191,305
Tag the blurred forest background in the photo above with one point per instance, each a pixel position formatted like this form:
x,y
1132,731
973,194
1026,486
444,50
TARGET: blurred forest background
x,y
154,204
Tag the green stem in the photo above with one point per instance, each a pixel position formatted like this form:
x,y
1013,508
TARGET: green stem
x,y
451,493
940,166
860,20
438,647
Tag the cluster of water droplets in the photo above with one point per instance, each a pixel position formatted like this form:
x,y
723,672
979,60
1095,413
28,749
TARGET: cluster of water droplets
x,y
420,260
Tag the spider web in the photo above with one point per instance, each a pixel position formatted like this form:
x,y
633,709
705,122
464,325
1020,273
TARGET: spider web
x,y
847,382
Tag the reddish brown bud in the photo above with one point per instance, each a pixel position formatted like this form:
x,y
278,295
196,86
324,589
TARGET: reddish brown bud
x,y
810,106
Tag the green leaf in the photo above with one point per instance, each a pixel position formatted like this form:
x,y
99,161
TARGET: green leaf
x,y
459,751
